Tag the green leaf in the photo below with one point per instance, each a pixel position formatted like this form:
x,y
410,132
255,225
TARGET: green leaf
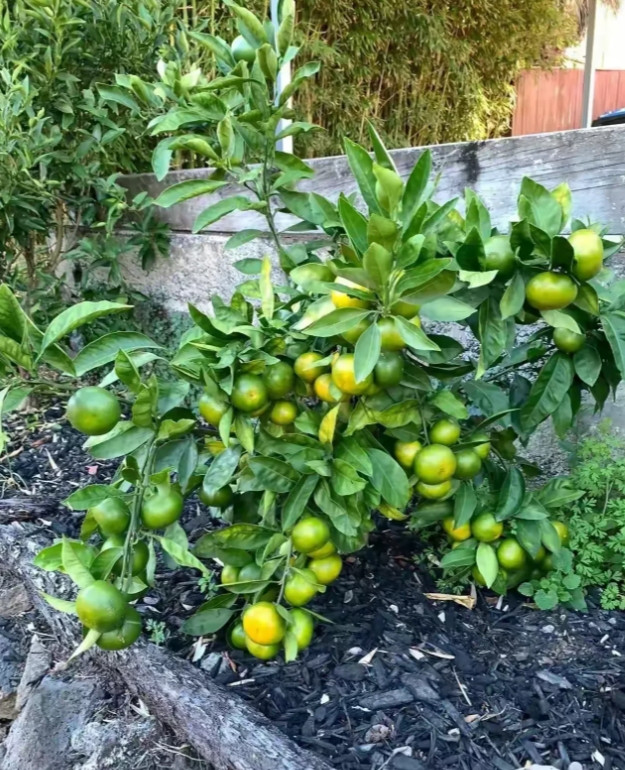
x,y
221,470
413,336
352,452
529,536
105,561
296,502
539,206
191,188
251,27
549,536
477,278
73,565
422,275
61,605
367,352
382,155
118,96
362,168
206,622
377,262
241,536
89,640
244,431
546,599
513,297
12,318
614,328
493,335
558,493
337,322
345,479
382,231
486,560
274,474
415,191
446,309
105,349
14,351
182,555
587,363
122,440
389,478
511,495
90,495
354,223
14,399
562,417
548,390
559,319
220,209
465,504
459,557
450,404
327,426
75,316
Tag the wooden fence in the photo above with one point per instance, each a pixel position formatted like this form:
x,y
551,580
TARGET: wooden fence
x,y
552,100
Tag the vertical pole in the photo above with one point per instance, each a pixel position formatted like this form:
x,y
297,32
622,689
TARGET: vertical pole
x,y
284,78
588,96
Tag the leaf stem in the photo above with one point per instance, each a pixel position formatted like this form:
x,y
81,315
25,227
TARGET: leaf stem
x,y
133,527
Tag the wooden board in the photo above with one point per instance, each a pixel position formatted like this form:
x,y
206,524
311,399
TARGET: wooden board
x,y
592,161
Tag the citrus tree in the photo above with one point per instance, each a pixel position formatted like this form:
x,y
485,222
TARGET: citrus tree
x,y
338,393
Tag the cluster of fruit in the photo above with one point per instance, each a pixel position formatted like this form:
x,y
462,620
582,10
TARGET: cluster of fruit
x,y
515,564
313,565
435,465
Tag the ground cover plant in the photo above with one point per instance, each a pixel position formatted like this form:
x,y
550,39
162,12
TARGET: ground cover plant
x,y
338,393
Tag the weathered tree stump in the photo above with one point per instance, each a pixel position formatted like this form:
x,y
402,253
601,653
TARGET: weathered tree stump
x,y
223,729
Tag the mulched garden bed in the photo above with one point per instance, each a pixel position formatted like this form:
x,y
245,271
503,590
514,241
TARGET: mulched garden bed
x,y
398,681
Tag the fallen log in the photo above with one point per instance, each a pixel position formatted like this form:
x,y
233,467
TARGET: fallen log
x,y
223,729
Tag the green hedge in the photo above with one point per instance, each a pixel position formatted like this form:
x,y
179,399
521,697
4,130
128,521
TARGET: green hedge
x,y
426,71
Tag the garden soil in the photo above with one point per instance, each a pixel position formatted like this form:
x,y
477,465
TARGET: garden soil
x,y
397,679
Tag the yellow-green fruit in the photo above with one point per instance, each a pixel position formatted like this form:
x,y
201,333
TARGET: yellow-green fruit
x,y
306,367
351,336
344,378
456,533
249,393
389,369
261,651
249,572
486,528
588,254
236,637
445,431
435,463
212,409
263,624
125,635
100,606
341,300
325,391
406,451
568,341
229,574
498,255
279,379
300,587
434,491
510,554
468,465
390,336
283,413
405,309
111,515
310,534
563,532
221,498
242,50
481,450
302,626
550,291
93,411
326,550
326,569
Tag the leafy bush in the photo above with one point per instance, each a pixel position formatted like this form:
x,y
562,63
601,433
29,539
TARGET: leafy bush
x,y
328,398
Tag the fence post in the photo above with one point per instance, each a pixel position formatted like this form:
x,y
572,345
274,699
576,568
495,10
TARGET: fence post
x,y
588,96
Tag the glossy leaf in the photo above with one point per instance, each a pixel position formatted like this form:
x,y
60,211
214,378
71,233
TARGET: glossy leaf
x,y
511,495
367,352
550,387
389,478
78,315
183,191
486,560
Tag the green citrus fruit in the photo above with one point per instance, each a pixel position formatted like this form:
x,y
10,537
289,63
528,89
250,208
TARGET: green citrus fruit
x,y
510,554
111,515
140,555
541,555
434,491
261,651
391,338
435,463
300,587
283,413
486,528
563,532
306,368
242,50
320,553
327,569
468,464
405,453
302,626
550,291
568,341
222,498
588,254
236,636
162,508
279,380
263,623
445,431
389,370
249,393
344,378
93,411
405,309
351,336
249,572
125,635
326,391
341,300
229,574
309,534
456,533
482,450
100,606
498,255
212,409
